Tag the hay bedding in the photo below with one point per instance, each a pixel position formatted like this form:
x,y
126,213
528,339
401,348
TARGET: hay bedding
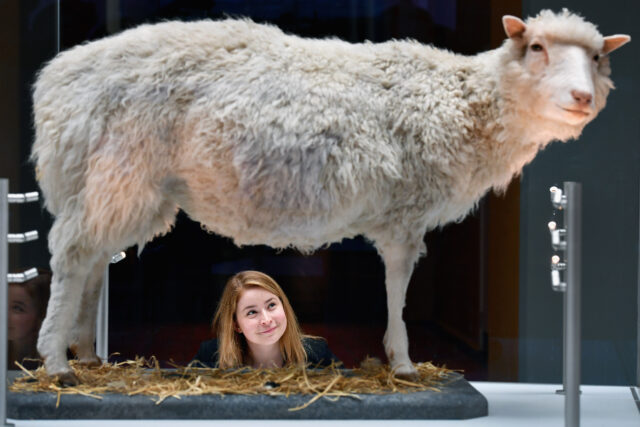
x,y
142,376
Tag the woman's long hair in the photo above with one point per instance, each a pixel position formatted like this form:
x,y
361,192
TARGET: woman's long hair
x,y
232,346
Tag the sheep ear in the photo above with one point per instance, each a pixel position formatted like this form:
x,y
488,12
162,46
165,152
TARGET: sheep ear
x,y
514,27
611,43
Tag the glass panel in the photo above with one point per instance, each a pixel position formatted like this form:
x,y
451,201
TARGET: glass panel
x,y
28,32
161,302
463,307
605,160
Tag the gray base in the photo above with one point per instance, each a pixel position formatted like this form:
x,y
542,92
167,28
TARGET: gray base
x,y
455,400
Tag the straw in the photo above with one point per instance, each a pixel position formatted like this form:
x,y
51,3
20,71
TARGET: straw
x,y
145,377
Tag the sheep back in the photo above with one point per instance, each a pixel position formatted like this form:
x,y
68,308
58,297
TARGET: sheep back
x,y
259,135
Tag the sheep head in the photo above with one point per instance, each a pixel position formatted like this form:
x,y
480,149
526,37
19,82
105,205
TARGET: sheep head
x,y
558,70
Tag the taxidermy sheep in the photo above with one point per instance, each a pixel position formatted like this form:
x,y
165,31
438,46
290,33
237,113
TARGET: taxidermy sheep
x,y
269,138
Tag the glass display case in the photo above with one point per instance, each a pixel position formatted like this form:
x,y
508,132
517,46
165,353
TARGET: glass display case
x,y
480,302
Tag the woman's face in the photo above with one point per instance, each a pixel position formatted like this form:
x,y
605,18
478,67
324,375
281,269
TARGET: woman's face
x,y
260,316
23,315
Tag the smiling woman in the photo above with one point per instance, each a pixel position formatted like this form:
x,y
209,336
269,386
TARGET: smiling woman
x,y
256,326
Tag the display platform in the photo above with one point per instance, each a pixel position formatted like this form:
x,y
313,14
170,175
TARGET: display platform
x,y
455,399
510,405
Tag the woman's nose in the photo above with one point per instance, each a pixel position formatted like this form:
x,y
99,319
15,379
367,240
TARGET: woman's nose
x,y
265,317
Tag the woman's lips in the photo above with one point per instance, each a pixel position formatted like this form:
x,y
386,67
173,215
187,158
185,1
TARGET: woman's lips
x,y
269,330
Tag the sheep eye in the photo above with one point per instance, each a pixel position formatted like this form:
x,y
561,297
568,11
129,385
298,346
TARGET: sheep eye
x,y
536,47
596,57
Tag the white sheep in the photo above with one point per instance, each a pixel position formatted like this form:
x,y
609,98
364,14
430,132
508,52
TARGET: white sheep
x,y
273,139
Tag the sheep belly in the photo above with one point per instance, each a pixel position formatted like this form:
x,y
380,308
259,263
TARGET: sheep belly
x,y
268,200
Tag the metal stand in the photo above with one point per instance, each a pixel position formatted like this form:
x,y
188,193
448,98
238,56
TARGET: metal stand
x,y
6,278
4,296
638,317
569,241
102,323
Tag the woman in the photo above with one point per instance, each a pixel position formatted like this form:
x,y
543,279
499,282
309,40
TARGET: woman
x,y
257,327
27,309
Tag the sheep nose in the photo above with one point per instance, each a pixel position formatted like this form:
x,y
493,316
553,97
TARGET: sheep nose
x,y
581,97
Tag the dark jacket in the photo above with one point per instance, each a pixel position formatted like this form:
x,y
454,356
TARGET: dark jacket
x,y
318,353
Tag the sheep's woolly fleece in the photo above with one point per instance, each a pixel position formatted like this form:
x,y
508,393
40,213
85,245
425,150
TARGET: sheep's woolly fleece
x,y
271,138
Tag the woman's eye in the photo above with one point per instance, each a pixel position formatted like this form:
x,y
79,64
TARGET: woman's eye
x,y
272,305
536,47
251,312
17,308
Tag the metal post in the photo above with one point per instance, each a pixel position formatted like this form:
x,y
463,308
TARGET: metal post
x,y
564,344
638,312
4,296
102,323
565,367
571,203
573,225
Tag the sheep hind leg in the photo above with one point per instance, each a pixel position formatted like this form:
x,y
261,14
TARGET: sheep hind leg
x,y
71,266
399,260
83,335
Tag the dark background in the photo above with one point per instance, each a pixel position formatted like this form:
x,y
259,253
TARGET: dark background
x,y
481,300
605,160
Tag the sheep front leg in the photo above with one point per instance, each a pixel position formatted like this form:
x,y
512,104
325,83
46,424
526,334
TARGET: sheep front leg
x,y
399,260
83,336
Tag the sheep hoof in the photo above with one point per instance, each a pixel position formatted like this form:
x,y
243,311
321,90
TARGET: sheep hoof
x,y
409,376
67,379
408,373
92,362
